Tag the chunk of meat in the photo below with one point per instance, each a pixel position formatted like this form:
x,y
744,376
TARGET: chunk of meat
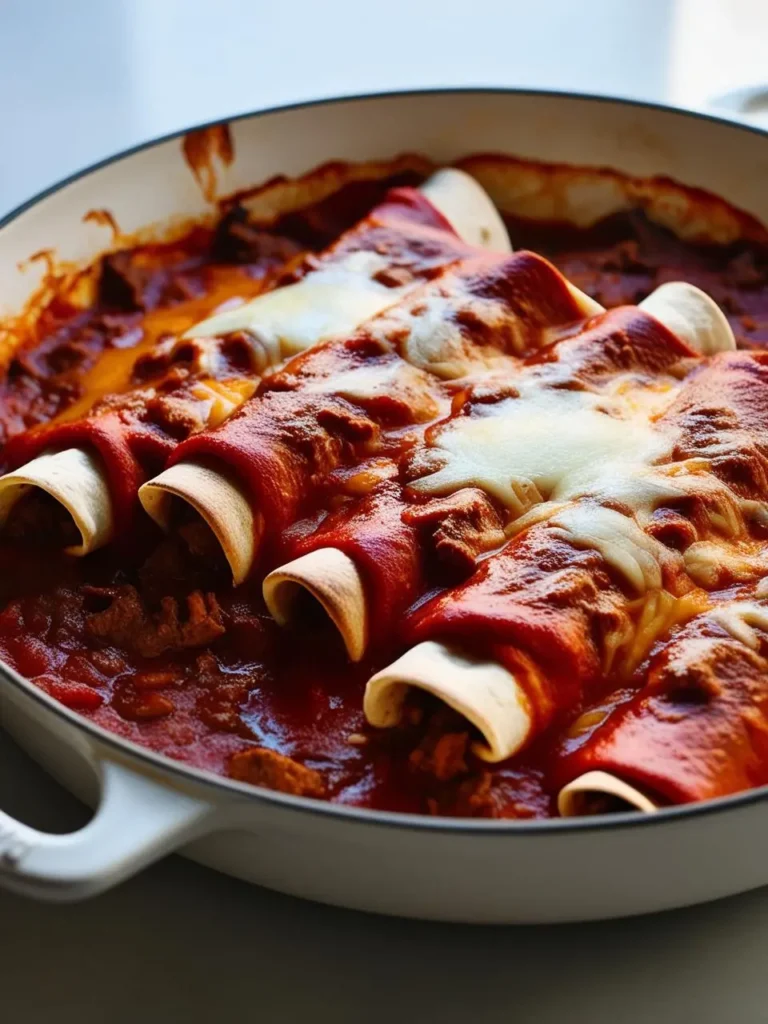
x,y
238,241
165,353
268,768
39,518
181,564
394,277
443,749
168,570
127,623
474,798
344,422
67,356
462,526
123,283
176,415
201,540
224,692
133,279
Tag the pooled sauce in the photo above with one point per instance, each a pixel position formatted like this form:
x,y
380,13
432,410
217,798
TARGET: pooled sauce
x,y
159,648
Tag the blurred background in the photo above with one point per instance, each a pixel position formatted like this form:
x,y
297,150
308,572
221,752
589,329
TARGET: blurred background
x,y
82,78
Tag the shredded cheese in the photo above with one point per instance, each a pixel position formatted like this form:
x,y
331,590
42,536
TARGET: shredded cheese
x,y
624,546
659,612
705,562
742,619
223,397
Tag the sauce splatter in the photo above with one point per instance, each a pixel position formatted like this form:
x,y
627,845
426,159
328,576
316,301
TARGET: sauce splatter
x,y
208,151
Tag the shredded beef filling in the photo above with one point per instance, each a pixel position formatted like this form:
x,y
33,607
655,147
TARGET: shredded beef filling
x,y
40,518
127,622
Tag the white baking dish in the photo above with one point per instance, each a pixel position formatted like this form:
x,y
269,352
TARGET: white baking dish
x,y
472,871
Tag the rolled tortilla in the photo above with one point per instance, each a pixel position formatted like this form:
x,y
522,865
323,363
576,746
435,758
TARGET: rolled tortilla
x,y
589,306
484,692
501,712
682,308
468,209
331,577
331,300
218,501
336,298
578,798
692,315
76,479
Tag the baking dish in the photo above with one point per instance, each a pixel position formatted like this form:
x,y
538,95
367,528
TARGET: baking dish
x,y
420,867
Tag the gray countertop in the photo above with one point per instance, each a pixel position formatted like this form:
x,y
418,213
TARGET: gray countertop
x,y
183,943
83,78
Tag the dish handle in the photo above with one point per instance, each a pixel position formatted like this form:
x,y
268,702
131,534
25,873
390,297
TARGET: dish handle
x,y
137,821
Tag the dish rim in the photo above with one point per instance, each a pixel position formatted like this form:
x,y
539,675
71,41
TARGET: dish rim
x,y
361,815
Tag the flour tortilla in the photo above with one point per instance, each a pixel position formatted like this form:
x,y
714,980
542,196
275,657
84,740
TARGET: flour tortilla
x,y
76,479
332,579
577,798
217,500
692,315
483,692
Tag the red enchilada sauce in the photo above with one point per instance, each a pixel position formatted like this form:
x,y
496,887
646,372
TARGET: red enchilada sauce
x,y
148,639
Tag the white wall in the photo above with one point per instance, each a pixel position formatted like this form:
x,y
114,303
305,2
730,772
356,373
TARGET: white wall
x,y
82,78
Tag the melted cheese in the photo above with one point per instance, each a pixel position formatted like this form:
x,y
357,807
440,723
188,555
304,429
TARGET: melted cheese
x,y
332,300
548,444
707,561
744,620
434,341
660,611
223,397
624,546
365,382
374,381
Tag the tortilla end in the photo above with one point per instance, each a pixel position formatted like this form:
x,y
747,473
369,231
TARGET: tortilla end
x,y
483,692
573,800
588,306
692,315
219,502
75,479
468,209
333,580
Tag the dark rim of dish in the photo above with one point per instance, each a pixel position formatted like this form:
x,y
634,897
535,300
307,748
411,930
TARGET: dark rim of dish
x,y
465,826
